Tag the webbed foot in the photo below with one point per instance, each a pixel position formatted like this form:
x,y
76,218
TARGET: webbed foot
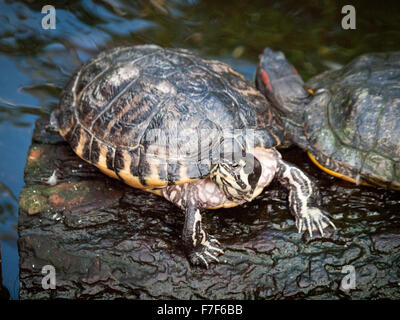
x,y
313,219
206,252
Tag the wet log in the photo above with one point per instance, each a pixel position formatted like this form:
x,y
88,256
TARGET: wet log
x,y
107,240
4,294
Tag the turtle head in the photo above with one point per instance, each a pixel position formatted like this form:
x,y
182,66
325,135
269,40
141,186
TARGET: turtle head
x,y
237,177
281,84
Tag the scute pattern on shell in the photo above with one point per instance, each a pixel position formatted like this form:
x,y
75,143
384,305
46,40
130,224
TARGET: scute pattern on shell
x,y
357,132
109,109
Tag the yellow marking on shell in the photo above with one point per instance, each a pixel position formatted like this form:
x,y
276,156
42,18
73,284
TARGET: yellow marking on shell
x,y
125,172
102,162
63,133
226,205
153,179
333,173
178,183
81,144
183,176
157,192
107,171
71,122
182,173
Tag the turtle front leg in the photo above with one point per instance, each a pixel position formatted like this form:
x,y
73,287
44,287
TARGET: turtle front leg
x,y
304,199
202,248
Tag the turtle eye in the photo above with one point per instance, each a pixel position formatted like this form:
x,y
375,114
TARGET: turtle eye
x,y
240,163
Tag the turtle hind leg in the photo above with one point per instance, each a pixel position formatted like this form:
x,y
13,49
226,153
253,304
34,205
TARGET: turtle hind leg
x,y
304,199
202,248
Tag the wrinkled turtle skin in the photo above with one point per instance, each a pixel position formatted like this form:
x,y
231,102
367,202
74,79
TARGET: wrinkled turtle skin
x,y
348,119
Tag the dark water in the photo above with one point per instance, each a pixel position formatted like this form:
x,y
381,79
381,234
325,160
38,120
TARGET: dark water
x,y
36,63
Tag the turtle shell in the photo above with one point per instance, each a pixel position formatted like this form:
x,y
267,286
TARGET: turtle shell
x,y
354,127
151,116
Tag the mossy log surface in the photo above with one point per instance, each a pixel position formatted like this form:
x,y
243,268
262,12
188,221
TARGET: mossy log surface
x,y
107,240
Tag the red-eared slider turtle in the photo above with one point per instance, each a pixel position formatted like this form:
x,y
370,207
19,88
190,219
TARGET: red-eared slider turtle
x,y
191,130
348,119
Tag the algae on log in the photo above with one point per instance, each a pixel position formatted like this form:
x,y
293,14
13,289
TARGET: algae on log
x,y
108,240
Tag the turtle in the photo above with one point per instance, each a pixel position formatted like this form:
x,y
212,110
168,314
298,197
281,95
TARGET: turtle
x,y
348,120
186,128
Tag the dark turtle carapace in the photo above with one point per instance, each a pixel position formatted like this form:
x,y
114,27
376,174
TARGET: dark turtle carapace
x,y
348,119
189,129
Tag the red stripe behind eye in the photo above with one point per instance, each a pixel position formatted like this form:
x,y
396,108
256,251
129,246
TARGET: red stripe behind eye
x,y
265,79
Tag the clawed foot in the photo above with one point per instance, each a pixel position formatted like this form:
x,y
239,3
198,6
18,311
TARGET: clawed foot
x,y
313,219
206,252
